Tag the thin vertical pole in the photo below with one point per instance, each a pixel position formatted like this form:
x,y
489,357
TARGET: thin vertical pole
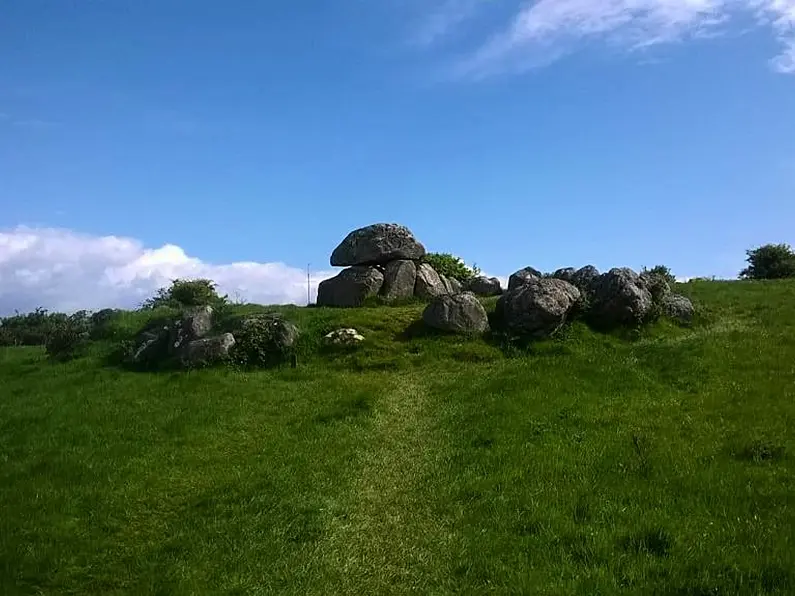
x,y
308,290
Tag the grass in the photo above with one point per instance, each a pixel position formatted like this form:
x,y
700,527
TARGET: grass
x,y
658,462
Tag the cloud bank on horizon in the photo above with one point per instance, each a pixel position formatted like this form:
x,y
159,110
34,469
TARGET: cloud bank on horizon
x,y
62,270
65,271
541,31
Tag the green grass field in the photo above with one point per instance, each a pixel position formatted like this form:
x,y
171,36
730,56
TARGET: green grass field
x,y
656,463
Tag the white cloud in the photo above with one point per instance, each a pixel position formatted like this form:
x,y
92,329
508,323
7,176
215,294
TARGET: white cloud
x,y
444,20
66,271
785,61
541,31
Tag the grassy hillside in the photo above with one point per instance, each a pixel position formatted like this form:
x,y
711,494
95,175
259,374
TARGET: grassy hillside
x,y
656,463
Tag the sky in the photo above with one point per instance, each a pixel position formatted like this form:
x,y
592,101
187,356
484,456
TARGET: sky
x,y
145,140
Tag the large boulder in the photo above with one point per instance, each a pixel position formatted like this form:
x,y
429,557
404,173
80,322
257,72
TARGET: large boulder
x,y
448,288
208,350
523,276
566,274
620,297
378,243
585,278
457,313
428,284
679,308
456,287
150,346
657,286
198,321
194,324
399,280
484,286
538,307
350,288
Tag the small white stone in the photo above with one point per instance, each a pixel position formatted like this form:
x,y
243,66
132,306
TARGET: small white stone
x,y
344,336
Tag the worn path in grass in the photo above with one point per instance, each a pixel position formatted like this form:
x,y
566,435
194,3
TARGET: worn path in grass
x,y
388,538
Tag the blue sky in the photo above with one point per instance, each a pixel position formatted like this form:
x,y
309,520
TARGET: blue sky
x,y
141,140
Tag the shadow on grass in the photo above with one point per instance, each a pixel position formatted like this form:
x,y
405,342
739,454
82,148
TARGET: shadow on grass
x,y
419,330
698,581
656,542
347,410
760,452
499,337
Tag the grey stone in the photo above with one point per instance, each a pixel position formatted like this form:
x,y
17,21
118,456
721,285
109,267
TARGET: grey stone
x,y
585,278
377,243
399,280
620,298
457,313
456,287
150,345
429,284
446,282
485,286
523,276
208,350
679,308
538,307
657,286
350,288
194,324
566,274
197,322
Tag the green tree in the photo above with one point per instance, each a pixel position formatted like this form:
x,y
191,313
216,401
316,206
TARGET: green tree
x,y
771,261
451,266
660,271
186,293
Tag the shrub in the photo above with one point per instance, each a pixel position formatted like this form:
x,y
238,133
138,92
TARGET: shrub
x,y
81,320
102,323
771,261
31,329
264,341
658,281
660,271
186,293
68,340
451,266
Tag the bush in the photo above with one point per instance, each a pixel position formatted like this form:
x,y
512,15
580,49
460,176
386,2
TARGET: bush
x,y
31,329
68,340
771,261
186,293
101,323
660,271
264,341
451,266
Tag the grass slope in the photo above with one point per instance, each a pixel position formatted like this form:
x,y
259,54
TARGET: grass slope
x,y
592,464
